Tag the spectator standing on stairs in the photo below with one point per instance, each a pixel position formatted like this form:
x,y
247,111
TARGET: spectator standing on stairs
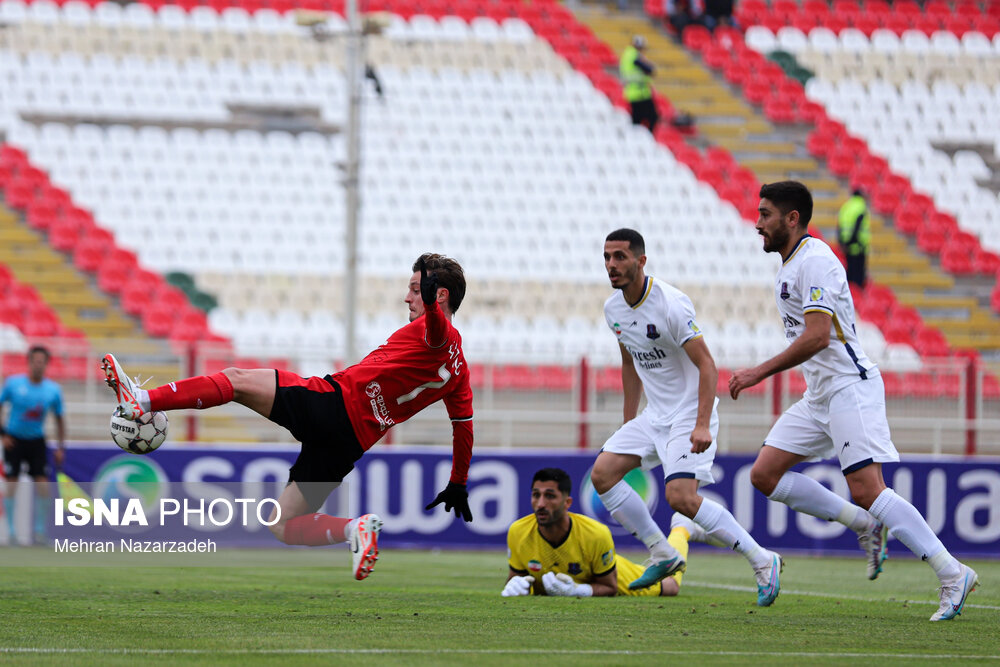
x,y
636,71
854,234
682,13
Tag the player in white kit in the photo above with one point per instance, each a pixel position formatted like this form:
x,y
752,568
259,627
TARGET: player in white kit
x,y
843,410
664,353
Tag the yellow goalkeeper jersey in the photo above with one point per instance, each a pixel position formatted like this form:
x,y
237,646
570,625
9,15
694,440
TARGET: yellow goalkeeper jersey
x,y
587,552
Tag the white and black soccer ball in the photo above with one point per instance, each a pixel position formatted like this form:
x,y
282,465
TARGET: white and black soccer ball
x,y
140,436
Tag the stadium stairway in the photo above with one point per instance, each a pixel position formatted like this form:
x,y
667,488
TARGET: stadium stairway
x,y
776,151
77,302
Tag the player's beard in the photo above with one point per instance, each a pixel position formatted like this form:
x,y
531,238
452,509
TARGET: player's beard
x,y
627,277
553,518
776,240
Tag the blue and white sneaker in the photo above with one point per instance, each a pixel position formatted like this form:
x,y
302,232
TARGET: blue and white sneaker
x,y
873,543
954,592
658,570
768,584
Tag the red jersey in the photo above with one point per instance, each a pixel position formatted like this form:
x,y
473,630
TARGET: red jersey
x,y
420,364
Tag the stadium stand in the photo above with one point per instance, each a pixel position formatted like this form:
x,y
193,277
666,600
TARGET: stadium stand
x,y
207,140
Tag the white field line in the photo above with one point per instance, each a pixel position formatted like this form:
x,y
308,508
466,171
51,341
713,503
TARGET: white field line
x,y
857,598
527,651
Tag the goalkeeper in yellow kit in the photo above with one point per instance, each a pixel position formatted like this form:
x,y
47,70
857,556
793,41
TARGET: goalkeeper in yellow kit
x,y
557,552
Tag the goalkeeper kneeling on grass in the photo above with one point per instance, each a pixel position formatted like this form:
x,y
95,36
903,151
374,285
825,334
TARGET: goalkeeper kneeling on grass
x,y
557,552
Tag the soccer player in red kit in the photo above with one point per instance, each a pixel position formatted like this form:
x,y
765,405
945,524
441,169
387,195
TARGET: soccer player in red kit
x,y
338,417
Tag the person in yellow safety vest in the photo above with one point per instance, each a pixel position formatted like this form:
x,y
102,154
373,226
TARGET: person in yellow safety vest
x,y
636,71
854,234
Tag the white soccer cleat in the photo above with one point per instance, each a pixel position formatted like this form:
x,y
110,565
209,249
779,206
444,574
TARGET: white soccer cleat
x,y
954,592
873,543
364,544
123,387
768,580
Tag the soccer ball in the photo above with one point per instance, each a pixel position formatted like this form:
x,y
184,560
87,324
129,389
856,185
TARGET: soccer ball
x,y
140,436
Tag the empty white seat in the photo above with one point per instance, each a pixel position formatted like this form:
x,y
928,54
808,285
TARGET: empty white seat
x,y
760,39
791,39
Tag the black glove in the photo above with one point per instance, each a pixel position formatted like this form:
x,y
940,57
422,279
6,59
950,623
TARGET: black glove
x,y
454,495
428,284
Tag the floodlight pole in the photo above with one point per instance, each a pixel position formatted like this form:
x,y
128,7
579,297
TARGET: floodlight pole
x,y
355,63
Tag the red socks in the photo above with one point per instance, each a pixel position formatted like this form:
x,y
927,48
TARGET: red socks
x,y
316,530
204,391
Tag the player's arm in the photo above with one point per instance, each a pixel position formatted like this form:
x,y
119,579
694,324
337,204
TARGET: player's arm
x,y
815,338
606,585
631,385
708,379
455,495
436,332
8,441
60,454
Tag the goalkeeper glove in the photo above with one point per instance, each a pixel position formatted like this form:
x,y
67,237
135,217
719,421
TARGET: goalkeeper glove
x,y
428,284
518,586
454,495
563,585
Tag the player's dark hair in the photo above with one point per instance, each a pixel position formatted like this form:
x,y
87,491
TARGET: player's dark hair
x,y
449,274
39,348
557,475
790,196
636,244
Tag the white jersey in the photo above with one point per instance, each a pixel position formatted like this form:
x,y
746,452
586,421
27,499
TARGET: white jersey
x,y
654,331
812,279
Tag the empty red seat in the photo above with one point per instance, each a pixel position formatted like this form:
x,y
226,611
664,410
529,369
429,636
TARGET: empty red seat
x,y
956,258
907,316
866,23
757,91
697,37
937,8
927,24
737,72
931,343
88,254
958,25
908,7
779,110
716,56
158,320
985,262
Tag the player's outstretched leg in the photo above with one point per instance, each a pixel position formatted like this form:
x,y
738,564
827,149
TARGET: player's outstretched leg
x,y
362,534
910,528
126,391
806,495
628,509
631,512
253,388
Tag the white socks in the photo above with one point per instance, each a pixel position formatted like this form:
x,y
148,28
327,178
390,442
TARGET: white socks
x,y
806,495
909,527
723,529
142,397
627,508
349,529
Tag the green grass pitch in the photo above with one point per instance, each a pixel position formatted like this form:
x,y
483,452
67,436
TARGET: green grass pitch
x,y
297,606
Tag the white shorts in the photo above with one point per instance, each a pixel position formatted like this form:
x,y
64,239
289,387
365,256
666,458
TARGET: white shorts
x,y
669,445
851,425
